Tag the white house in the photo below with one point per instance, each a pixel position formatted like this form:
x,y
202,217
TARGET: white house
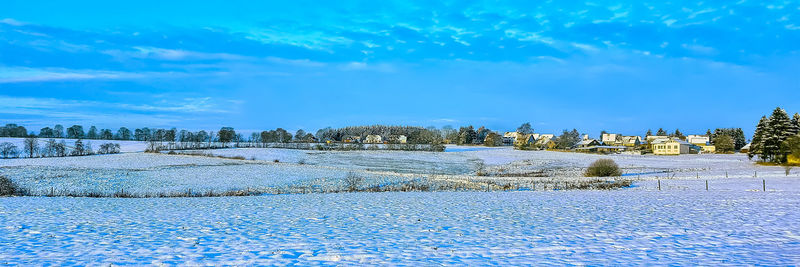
x,y
611,139
697,139
373,139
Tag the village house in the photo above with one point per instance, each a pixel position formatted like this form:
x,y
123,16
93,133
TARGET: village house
x,y
396,139
510,138
697,139
548,136
588,143
631,141
611,139
670,146
745,148
545,141
651,138
525,139
702,141
373,139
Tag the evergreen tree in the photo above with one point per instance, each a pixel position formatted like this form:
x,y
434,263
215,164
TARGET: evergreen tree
x,y
778,130
649,133
757,144
796,123
739,141
661,132
466,135
678,134
710,136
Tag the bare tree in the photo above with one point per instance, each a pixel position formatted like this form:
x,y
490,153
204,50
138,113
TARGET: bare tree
x,y
31,146
8,150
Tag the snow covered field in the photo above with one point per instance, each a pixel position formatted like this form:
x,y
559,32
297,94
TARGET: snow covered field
x,y
734,222
621,227
505,160
305,171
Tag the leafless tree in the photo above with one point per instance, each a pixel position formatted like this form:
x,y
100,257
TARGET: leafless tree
x,y
8,150
31,146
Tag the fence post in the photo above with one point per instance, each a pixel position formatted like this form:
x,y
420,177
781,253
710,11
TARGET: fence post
x,y
726,174
764,185
706,185
659,185
487,186
755,174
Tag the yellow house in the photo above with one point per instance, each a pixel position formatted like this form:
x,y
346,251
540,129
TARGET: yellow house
x,y
669,147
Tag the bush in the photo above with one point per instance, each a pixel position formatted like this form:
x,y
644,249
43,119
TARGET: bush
x,y
9,188
603,168
353,181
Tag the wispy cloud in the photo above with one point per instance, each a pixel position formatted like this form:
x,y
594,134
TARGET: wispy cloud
x,y
47,106
22,74
11,21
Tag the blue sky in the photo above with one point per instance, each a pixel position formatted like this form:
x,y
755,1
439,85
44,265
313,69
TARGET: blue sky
x,y
619,66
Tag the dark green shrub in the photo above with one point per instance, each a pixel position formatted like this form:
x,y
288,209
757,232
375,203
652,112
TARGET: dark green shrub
x,y
603,168
9,188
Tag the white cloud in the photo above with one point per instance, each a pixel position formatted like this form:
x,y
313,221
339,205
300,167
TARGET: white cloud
x,y
12,22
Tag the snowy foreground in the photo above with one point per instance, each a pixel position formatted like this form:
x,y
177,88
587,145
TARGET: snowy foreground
x,y
733,222
635,227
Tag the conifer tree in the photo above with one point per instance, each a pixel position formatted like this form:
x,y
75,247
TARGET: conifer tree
x,y
796,123
757,144
778,130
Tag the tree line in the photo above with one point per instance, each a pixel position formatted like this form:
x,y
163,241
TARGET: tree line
x,y
52,148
